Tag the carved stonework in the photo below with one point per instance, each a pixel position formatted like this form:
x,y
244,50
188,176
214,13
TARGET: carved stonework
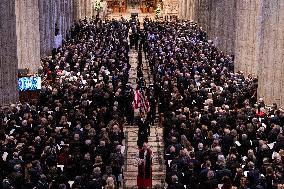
x,y
170,7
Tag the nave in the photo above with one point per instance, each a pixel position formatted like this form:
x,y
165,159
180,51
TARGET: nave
x,y
85,130
155,138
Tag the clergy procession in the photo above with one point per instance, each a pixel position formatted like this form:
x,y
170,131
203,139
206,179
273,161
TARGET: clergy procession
x,y
216,133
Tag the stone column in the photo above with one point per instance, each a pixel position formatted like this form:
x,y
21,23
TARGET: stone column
x,y
271,56
248,25
80,8
217,18
202,12
28,39
77,9
47,26
89,9
60,12
83,9
181,9
188,9
223,24
191,10
8,53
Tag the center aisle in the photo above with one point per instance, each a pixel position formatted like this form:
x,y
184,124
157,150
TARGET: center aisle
x,y
131,134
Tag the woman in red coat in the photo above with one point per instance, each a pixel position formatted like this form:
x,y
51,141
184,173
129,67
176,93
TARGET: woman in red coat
x,y
144,178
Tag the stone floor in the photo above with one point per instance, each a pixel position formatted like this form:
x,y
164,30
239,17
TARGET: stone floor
x,y
131,133
156,143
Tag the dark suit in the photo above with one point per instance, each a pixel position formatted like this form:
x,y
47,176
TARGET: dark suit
x,y
227,142
253,178
209,184
223,172
176,186
278,145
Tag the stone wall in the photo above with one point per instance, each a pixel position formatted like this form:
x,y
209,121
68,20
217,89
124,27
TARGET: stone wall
x,y
248,26
84,9
271,52
217,18
170,8
36,22
181,9
63,13
60,12
8,53
191,5
259,48
28,37
186,9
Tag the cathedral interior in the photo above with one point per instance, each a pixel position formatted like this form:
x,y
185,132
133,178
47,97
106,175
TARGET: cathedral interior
x,y
142,94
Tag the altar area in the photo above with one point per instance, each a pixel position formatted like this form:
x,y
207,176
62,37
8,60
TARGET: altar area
x,y
132,6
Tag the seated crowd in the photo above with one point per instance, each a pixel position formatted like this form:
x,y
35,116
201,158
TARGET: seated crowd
x,y
216,132
72,137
